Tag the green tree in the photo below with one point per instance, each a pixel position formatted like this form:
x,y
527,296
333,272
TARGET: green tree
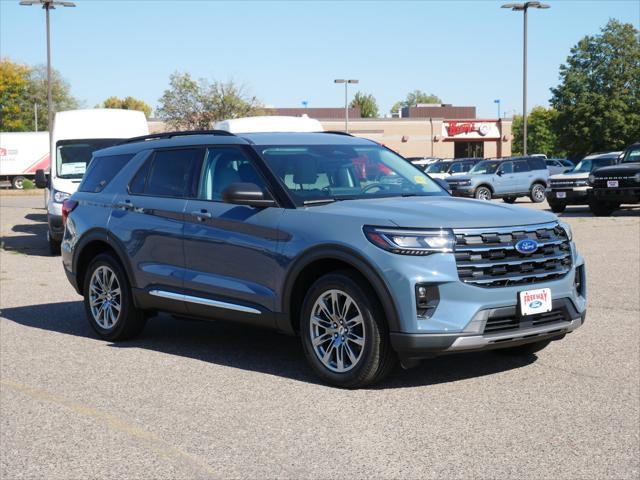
x,y
598,99
541,133
60,93
414,98
190,104
127,103
14,92
22,87
367,104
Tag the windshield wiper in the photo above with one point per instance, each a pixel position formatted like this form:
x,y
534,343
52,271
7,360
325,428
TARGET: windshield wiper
x,y
319,201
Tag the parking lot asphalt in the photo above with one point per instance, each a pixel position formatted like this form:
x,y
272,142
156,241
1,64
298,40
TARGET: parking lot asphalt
x,y
212,400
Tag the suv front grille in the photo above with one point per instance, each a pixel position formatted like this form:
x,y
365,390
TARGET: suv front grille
x,y
488,257
509,322
623,181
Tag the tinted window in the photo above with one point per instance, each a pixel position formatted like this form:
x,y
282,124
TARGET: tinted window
x,y
506,167
101,171
456,168
222,167
536,163
632,155
520,167
467,166
166,173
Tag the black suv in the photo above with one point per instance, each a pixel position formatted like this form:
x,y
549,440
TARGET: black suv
x,y
617,184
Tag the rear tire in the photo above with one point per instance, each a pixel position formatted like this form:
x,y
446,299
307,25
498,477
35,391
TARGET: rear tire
x,y
527,349
346,347
108,301
509,199
537,193
603,209
557,207
483,193
18,182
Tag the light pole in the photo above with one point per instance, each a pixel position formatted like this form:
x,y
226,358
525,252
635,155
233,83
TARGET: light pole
x,y
524,7
346,100
497,100
48,5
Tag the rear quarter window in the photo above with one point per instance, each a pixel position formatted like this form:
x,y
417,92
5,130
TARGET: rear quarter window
x,y
101,171
536,163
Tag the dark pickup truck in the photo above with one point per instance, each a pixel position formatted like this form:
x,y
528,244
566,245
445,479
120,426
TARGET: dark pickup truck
x,y
617,184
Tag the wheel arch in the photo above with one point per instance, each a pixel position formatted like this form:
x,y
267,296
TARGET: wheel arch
x,y
319,261
93,243
487,185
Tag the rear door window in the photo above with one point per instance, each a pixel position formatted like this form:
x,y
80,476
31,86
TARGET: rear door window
x,y
520,167
536,163
101,171
166,174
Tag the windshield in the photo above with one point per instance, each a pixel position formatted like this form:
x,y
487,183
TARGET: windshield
x,y
587,165
632,155
488,166
321,173
439,167
72,156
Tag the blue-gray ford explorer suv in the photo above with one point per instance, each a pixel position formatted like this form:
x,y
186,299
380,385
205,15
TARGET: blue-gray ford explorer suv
x,y
332,237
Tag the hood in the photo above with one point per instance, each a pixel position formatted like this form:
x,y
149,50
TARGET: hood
x,y
621,169
435,212
570,176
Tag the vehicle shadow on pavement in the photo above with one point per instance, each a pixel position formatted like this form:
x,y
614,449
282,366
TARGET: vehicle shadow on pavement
x,y
34,240
579,212
252,349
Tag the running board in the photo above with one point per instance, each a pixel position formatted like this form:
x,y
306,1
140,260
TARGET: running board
x,y
203,301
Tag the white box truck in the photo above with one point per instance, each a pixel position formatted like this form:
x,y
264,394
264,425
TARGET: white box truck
x,y
76,135
21,155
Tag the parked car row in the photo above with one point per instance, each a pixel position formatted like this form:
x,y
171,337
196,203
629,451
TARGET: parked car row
x,y
604,181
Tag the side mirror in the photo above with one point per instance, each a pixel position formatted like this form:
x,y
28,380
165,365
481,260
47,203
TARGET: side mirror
x,y
41,179
247,194
499,173
443,183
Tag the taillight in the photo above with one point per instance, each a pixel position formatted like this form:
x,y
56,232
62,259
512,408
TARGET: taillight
x,y
68,206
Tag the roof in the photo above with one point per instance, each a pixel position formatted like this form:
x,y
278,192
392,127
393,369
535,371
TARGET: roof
x,y
327,138
294,138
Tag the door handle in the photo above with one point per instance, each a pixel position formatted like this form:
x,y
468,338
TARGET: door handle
x,y
125,205
201,214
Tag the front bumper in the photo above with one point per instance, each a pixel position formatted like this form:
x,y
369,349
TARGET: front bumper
x,y
418,346
617,195
464,191
577,196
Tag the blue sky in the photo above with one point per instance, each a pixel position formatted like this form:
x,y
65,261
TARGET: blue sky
x,y
467,52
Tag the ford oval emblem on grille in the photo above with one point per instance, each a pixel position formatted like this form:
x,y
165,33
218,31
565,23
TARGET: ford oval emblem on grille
x,y
526,246
535,304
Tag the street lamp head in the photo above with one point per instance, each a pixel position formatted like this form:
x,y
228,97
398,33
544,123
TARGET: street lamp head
x,y
340,80
497,100
518,7
47,3
514,6
353,81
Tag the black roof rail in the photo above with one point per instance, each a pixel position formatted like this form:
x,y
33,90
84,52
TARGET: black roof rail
x,y
337,132
185,133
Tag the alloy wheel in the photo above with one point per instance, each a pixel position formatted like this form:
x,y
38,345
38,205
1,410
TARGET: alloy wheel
x,y
337,331
538,193
105,297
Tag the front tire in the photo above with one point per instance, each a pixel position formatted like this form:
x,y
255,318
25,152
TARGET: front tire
x,y
108,301
54,245
18,183
483,193
344,332
537,193
557,207
603,209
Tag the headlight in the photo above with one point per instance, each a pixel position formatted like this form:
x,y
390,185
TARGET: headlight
x,y
636,177
411,242
592,179
464,183
581,183
60,197
567,228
